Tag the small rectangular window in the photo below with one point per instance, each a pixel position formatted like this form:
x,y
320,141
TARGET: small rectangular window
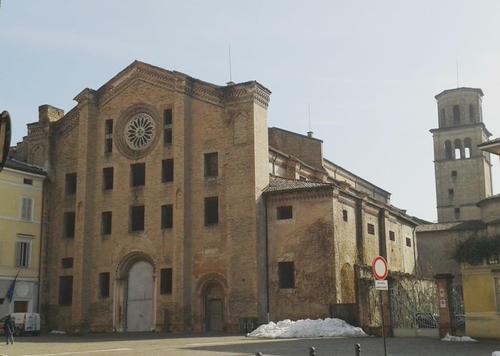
x,y
23,254
104,284
454,174
167,170
65,290
108,136
137,218
371,229
408,242
69,224
167,117
167,126
27,209
137,174
392,235
286,273
456,114
451,192
27,181
284,212
108,129
167,221
20,306
70,183
166,281
107,178
211,211
67,262
167,136
345,217
457,213
211,164
106,222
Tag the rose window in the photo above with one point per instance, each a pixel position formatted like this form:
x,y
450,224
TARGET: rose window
x,y
140,131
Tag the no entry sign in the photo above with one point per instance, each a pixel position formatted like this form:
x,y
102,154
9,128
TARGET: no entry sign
x,y
379,268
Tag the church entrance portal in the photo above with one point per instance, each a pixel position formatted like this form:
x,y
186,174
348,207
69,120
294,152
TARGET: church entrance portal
x,y
140,297
214,307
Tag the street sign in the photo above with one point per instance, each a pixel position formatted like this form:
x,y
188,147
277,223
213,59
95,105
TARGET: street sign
x,y
381,285
379,268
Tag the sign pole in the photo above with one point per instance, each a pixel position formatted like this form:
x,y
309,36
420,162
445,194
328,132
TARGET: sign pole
x,y
380,272
383,324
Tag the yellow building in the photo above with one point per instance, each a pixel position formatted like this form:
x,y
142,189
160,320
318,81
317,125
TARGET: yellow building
x,y
21,191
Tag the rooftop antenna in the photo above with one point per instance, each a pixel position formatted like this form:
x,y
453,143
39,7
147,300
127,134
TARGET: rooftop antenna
x,y
230,69
310,132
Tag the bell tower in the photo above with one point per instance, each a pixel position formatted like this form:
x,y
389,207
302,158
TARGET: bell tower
x,y
462,171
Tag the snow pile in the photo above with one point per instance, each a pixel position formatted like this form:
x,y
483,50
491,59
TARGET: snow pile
x,y
307,328
58,332
449,337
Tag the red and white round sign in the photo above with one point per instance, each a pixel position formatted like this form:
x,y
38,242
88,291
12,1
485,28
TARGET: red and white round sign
x,y
379,268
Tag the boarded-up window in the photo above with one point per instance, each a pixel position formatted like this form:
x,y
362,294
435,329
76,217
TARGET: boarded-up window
x,y
104,284
211,211
167,170
211,164
106,222
137,218
69,224
167,221
137,174
286,271
70,183
65,290
371,229
166,281
107,178
284,212
67,262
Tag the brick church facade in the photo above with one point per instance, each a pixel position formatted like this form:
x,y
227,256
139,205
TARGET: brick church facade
x,y
170,205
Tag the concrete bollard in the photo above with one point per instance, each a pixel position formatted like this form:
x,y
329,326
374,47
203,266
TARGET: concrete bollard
x,y
357,349
312,351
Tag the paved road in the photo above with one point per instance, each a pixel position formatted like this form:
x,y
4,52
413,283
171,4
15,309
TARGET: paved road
x,y
153,344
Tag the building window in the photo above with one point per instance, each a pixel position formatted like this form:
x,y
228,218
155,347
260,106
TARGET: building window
x,y
448,150
67,262
167,126
442,117
408,242
345,216
451,193
104,284
392,235
454,174
137,218
211,211
167,170
467,147
457,213
69,224
471,112
65,290
166,281
20,306
286,271
27,209
27,181
137,174
108,136
107,178
456,114
497,292
371,229
106,222
70,183
284,212
211,164
167,221
23,253
458,149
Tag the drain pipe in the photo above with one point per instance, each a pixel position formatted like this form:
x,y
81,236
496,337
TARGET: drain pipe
x,y
267,259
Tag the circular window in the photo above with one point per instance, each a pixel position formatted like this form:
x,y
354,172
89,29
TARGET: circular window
x,y
140,131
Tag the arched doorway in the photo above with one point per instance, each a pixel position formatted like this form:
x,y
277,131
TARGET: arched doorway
x,y
213,297
140,297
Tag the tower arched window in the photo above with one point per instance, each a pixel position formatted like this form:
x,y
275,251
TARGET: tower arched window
x,y
456,114
467,147
448,150
458,149
442,118
471,112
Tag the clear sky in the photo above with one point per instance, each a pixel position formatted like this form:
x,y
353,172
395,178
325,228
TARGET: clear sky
x,y
368,69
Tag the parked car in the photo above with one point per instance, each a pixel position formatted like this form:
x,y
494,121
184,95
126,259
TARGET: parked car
x,y
26,323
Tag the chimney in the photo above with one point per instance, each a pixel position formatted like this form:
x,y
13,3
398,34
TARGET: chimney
x,y
310,134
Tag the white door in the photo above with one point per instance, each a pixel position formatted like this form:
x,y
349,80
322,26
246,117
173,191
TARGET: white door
x,y
140,297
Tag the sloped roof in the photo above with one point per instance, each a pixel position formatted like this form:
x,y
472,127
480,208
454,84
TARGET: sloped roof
x,y
278,185
25,167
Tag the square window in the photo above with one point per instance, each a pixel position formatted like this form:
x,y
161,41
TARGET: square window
x,y
67,262
27,181
167,170
69,224
138,174
371,229
211,164
454,174
20,306
284,212
211,211
166,281
106,222
286,272
137,218
70,183
408,242
23,253
392,236
107,178
167,221
65,290
27,209
345,217
104,284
